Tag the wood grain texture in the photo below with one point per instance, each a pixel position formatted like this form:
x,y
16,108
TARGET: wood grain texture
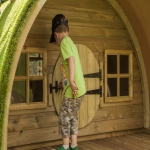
x,y
96,25
27,136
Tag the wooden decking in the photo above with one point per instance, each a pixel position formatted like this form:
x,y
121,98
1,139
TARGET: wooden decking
x,y
140,141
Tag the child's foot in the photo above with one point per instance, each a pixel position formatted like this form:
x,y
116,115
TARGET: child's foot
x,y
75,148
62,148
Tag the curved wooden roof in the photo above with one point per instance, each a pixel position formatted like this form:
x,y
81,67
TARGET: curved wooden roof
x,y
138,13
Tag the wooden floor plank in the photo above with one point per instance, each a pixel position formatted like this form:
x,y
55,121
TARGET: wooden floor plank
x,y
123,140
42,148
55,147
116,145
140,137
143,136
91,145
84,147
123,144
100,147
49,148
142,142
103,143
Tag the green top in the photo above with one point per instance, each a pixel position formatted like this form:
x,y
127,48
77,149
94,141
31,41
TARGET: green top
x,y
69,49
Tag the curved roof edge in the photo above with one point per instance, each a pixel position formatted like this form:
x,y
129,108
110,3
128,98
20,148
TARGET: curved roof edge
x,y
12,21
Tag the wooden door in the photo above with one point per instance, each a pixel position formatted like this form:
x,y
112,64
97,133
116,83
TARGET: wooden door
x,y
90,102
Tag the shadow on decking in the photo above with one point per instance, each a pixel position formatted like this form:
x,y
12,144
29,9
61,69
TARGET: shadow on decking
x,y
139,141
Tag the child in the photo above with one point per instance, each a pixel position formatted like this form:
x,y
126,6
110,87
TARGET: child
x,y
72,80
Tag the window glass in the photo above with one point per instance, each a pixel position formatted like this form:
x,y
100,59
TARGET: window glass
x,y
36,64
21,68
18,94
124,86
111,64
36,90
124,63
112,87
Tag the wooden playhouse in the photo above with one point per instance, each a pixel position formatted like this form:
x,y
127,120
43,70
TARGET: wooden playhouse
x,y
117,98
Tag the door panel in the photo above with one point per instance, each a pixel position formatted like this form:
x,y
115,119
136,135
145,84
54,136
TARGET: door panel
x,y
90,103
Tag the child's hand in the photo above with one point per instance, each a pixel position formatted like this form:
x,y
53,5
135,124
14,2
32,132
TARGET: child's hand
x,y
60,86
74,88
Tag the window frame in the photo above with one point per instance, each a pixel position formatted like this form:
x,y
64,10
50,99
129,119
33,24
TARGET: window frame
x,y
27,78
129,75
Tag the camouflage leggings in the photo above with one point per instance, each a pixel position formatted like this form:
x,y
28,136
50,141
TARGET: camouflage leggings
x,y
68,116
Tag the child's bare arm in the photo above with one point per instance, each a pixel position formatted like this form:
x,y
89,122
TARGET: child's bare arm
x,y
71,62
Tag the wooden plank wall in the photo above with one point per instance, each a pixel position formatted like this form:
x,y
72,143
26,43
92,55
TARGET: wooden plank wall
x,y
94,24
